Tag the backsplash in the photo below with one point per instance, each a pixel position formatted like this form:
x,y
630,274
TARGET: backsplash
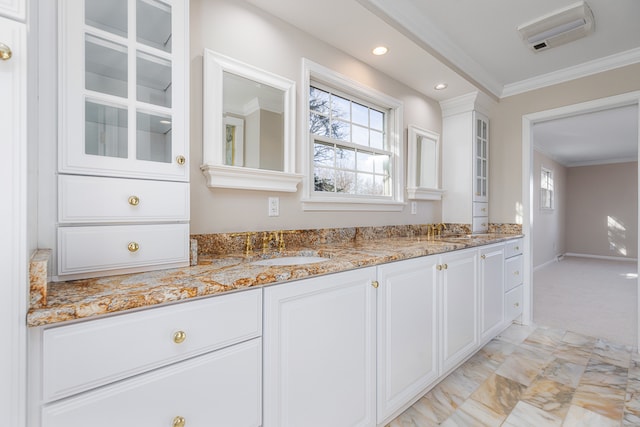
x,y
229,243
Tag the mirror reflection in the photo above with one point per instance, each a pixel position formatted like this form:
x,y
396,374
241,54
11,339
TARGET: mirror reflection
x,y
253,117
422,164
426,156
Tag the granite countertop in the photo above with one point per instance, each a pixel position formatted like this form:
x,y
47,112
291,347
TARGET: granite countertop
x,y
215,275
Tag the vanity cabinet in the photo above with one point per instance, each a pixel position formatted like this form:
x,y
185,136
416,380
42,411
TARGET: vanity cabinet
x,y
124,137
320,352
407,319
199,360
465,158
491,266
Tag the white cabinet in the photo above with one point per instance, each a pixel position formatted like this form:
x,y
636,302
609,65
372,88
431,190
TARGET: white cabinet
x,y
491,291
407,332
319,351
123,118
200,360
13,9
465,160
459,307
513,279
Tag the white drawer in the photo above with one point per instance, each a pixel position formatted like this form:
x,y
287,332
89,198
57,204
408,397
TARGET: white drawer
x,y
85,355
222,388
99,248
480,209
480,224
84,199
513,303
513,272
513,248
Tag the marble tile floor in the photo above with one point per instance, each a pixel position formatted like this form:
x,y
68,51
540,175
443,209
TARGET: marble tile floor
x,y
536,377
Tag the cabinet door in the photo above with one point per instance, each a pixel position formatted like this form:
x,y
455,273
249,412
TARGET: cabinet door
x,y
491,291
221,388
407,332
480,158
459,293
319,351
123,88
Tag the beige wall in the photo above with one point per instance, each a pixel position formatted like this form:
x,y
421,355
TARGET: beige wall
x,y
506,130
549,225
239,30
602,210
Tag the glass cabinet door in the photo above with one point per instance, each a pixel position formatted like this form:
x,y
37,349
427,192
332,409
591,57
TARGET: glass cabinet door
x,y
481,159
120,117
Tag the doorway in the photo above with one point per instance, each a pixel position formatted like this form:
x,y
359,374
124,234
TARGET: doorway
x,y
531,180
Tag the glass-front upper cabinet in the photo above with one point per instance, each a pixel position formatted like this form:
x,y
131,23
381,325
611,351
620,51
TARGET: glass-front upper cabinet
x,y
481,158
123,88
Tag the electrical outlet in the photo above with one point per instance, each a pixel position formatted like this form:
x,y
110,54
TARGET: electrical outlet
x,y
414,208
274,206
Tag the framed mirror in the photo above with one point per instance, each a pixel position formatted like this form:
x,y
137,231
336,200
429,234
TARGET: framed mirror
x,y
248,127
423,160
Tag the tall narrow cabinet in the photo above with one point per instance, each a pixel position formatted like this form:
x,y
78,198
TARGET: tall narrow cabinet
x,y
123,192
465,160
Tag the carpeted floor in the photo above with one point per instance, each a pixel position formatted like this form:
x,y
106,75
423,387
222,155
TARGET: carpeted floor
x,y
589,296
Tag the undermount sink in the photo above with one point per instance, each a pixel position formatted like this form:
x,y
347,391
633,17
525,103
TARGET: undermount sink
x,y
290,260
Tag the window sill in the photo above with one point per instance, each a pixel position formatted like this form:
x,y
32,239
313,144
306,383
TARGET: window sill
x,y
241,178
424,194
353,205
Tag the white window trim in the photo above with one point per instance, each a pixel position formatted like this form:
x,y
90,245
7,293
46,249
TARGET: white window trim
x,y
550,172
314,202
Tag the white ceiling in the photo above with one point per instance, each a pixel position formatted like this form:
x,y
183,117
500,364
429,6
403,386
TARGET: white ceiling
x,y
473,44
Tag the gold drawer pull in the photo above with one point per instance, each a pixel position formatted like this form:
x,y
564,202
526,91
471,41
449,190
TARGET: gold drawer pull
x,y
516,304
179,422
516,273
133,247
375,284
181,160
179,337
483,256
517,248
134,200
5,52
439,267
483,210
445,266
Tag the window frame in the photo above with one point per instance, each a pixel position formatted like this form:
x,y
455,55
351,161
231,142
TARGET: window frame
x,y
355,91
544,189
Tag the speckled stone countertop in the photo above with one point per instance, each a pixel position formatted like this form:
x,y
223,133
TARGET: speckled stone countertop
x,y
218,274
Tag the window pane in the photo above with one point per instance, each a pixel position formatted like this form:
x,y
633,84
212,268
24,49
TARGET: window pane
x,y
153,138
340,130
340,107
319,125
382,164
377,120
153,78
376,140
360,114
381,184
105,66
366,184
324,154
318,100
345,182
109,16
360,135
345,158
324,180
106,130
365,161
153,21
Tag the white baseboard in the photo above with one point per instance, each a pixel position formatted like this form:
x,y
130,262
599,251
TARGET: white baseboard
x,y
557,258
610,258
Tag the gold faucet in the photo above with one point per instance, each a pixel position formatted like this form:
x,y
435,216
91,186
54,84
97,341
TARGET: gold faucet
x,y
267,238
248,244
441,226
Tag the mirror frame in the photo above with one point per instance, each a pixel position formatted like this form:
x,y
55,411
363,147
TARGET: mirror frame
x,y
213,148
414,192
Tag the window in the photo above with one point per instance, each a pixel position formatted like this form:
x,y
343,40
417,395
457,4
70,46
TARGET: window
x,y
546,189
353,145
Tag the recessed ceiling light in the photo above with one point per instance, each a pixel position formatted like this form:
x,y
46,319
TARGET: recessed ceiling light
x,y
380,50
440,86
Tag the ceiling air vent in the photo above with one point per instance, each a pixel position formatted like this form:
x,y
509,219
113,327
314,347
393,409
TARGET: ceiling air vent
x,y
562,26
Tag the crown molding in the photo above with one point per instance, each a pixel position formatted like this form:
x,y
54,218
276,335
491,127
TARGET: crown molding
x,y
585,69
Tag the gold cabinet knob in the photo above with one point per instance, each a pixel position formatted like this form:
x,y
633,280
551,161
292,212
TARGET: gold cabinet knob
x,y
516,304
179,337
133,247
439,267
516,273
483,256
134,200
179,422
5,52
517,248
375,284
445,266
181,160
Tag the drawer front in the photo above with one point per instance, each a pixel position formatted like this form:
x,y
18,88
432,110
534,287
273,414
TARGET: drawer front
x,y
513,248
110,247
92,353
513,272
84,199
513,303
480,209
480,224
222,388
